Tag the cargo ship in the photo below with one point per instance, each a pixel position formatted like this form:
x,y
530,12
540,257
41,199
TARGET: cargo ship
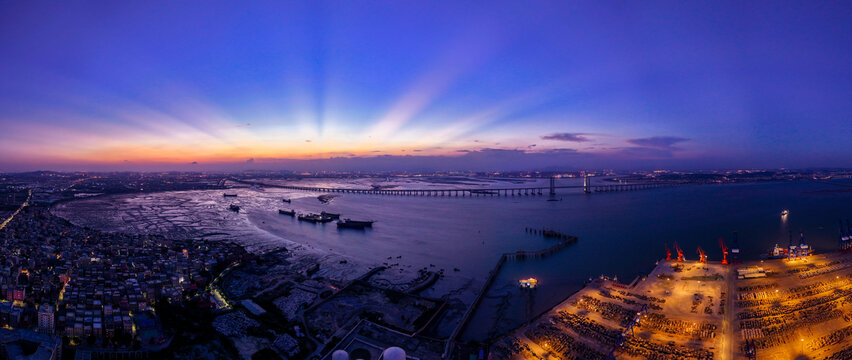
x,y
229,195
234,208
331,215
287,212
777,253
314,218
354,224
782,253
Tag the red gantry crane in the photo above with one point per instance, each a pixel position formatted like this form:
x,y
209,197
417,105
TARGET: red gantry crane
x,y
724,251
702,257
668,253
679,252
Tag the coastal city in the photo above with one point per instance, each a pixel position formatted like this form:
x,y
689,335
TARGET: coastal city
x,y
425,180
71,291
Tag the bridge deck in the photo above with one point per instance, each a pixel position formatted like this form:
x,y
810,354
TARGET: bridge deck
x,y
515,191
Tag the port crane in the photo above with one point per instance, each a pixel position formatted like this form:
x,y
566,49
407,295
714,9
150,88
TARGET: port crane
x,y
668,253
679,252
724,251
792,254
848,234
804,250
628,330
735,251
843,236
702,257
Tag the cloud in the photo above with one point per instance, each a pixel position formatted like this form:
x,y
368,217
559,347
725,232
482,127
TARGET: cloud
x,y
561,152
659,142
570,137
655,147
645,152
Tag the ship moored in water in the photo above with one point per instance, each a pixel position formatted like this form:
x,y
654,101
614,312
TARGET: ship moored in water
x,y
354,224
781,253
331,215
290,212
229,195
314,218
286,200
800,251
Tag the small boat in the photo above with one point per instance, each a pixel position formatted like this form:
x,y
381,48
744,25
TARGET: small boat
x,y
354,224
229,195
234,208
530,283
286,200
314,218
287,212
785,212
331,215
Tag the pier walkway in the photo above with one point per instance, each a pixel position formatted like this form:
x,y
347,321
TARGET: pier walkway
x,y
492,275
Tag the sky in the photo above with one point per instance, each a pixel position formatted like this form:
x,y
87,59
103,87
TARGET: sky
x,y
443,85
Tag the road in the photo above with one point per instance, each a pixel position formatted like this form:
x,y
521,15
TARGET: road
x,y
24,204
726,348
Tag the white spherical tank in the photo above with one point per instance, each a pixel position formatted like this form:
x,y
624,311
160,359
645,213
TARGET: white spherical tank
x,y
339,355
393,353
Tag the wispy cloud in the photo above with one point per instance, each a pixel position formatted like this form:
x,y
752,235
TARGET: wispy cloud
x,y
655,147
660,142
570,137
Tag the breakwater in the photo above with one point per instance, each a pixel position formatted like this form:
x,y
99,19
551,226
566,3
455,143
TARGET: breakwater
x,y
565,240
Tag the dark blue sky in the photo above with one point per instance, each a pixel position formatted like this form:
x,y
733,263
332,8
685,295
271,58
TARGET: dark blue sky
x,y
145,85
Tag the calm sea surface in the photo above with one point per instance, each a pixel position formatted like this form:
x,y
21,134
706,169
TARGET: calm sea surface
x,y
624,234
621,234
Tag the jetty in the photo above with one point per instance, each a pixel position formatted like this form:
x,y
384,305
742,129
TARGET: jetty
x,y
492,275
